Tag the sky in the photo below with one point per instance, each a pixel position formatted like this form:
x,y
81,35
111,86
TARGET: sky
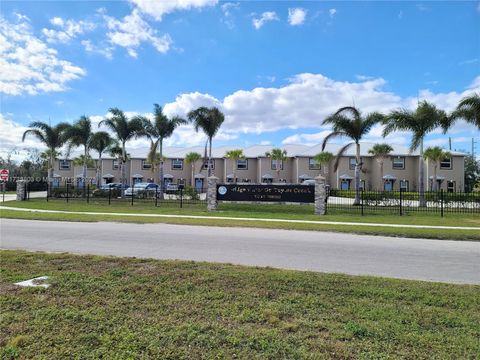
x,y
275,68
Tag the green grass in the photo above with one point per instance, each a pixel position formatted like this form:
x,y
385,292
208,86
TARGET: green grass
x,y
298,212
132,308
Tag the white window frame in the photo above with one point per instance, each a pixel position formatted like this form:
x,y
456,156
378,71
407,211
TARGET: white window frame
x,y
146,165
444,161
313,165
243,167
175,163
398,158
61,165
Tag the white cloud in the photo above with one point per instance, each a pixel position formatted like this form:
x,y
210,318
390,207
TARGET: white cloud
x,y
68,29
469,61
296,16
400,14
11,134
28,65
228,17
266,16
106,51
157,9
132,31
332,12
363,77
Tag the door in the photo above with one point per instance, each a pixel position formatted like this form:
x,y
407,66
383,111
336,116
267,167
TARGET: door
x,y
388,185
345,185
199,185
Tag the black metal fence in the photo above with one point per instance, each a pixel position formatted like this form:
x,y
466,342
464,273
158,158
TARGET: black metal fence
x,y
133,195
402,202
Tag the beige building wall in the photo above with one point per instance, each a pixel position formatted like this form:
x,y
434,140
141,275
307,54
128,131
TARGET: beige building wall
x,y
250,173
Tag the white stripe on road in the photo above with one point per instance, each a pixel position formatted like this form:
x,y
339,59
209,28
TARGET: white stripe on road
x,y
246,219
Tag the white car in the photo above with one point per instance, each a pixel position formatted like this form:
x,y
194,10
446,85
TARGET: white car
x,y
143,187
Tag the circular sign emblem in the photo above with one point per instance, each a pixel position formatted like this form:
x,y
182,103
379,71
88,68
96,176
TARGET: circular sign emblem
x,y
222,190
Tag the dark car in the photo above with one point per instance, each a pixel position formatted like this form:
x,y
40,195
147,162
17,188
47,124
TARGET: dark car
x,y
112,189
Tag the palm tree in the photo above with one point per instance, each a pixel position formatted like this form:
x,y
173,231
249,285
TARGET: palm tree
x,y
234,155
435,154
52,137
349,122
323,159
191,158
381,153
209,120
124,130
80,134
279,156
82,160
161,128
100,142
420,122
468,109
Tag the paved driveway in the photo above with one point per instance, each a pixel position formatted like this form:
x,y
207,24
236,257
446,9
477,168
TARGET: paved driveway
x,y
432,260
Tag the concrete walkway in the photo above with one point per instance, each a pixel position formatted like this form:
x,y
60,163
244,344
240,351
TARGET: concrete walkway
x,y
419,259
440,227
33,194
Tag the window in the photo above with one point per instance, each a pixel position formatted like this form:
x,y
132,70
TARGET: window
x,y
403,185
64,164
313,165
177,164
115,164
212,166
276,163
146,164
398,163
352,162
446,164
242,164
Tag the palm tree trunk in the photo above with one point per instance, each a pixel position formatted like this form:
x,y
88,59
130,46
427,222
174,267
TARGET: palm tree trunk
x,y
50,174
122,170
99,171
210,159
357,176
435,182
233,171
421,180
381,172
162,185
84,172
192,180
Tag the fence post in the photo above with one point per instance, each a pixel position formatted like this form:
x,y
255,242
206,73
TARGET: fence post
x,y
109,194
67,192
361,202
212,202
401,202
181,197
156,196
441,202
320,196
133,192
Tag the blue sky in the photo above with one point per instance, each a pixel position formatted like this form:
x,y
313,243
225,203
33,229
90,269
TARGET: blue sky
x,y
275,68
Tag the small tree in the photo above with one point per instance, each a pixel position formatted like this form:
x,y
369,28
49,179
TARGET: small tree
x,y
381,153
323,159
234,155
278,157
191,158
436,155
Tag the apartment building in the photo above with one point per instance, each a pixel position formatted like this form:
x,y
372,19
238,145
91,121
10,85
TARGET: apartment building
x,y
400,169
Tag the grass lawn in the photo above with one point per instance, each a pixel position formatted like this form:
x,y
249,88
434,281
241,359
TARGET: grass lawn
x,y
294,212
104,307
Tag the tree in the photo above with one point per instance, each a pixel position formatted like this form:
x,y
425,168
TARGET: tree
x,y
472,173
209,120
161,128
468,109
100,142
323,159
80,134
81,160
436,155
191,158
420,122
278,157
124,130
349,122
234,155
52,137
381,152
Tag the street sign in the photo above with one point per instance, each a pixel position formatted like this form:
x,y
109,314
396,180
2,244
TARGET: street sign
x,y
270,193
4,174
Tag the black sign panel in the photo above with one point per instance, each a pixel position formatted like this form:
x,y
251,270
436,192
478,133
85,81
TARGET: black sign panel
x,y
280,193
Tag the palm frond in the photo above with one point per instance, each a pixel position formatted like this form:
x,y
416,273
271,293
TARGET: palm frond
x,y
340,154
331,136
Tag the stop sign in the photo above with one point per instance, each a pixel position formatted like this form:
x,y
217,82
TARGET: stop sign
x,y
4,174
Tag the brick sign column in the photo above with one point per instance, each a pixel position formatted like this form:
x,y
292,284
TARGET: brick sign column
x,y
320,196
212,202
21,193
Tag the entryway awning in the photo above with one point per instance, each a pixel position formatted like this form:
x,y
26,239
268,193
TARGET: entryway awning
x,y
345,177
305,177
438,178
199,176
389,177
267,176
57,176
230,176
168,176
108,176
137,176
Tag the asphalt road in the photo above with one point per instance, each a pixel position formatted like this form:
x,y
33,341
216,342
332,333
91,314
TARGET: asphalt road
x,y
432,260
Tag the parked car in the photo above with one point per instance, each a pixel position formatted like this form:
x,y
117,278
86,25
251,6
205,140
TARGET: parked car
x,y
112,188
171,188
142,189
